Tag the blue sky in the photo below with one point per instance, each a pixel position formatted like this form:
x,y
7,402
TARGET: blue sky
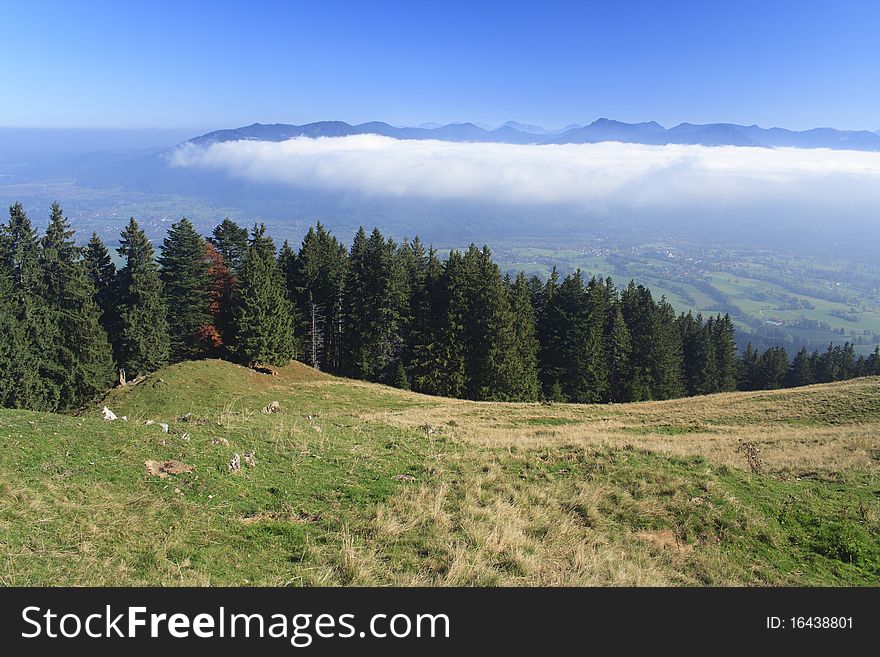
x,y
223,64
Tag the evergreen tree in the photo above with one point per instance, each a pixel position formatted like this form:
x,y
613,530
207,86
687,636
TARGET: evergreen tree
x,y
619,350
724,340
427,322
801,371
186,282
847,361
490,366
828,369
9,329
872,365
693,351
577,336
748,371
550,320
637,307
666,353
413,262
525,348
102,275
444,367
376,298
143,344
263,313
773,368
317,282
231,241
590,357
82,351
30,364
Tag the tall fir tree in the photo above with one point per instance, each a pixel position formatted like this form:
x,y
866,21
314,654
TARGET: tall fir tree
x,y
31,366
773,368
724,340
748,369
594,358
637,307
263,313
491,365
231,241
801,371
426,325
102,275
575,330
317,282
186,282
82,351
143,340
413,261
550,320
666,353
525,348
619,350
443,363
376,298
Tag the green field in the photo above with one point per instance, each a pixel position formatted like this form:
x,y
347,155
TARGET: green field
x,y
355,483
794,299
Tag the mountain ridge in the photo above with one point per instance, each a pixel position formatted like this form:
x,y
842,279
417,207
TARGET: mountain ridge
x,y
600,130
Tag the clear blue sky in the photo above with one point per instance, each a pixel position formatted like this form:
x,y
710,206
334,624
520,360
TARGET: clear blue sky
x,y
219,64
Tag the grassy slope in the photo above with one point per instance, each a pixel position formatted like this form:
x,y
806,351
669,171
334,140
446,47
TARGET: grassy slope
x,y
653,493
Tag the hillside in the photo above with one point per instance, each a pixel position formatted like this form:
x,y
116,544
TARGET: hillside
x,y
355,483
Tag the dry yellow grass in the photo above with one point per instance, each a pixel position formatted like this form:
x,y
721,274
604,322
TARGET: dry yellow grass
x,y
821,427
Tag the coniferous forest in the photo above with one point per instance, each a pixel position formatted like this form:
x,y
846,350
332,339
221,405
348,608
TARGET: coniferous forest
x,y
72,324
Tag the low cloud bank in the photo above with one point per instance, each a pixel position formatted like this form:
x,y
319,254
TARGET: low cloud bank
x,y
602,176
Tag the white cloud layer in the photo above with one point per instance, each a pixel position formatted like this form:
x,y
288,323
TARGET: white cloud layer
x,y
598,176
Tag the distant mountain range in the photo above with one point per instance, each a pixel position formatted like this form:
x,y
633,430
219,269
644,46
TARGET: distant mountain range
x,y
512,132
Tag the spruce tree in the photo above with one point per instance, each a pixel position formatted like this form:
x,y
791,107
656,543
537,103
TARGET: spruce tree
x,y
443,363
872,365
637,307
263,313
413,261
748,370
317,281
550,320
705,356
9,329
31,363
619,351
102,275
690,328
143,345
575,333
491,366
82,350
801,371
666,353
773,368
231,241
725,353
376,299
426,327
525,349
186,282
593,355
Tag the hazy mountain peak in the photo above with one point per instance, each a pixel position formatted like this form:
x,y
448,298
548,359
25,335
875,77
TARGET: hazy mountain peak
x,y
524,127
